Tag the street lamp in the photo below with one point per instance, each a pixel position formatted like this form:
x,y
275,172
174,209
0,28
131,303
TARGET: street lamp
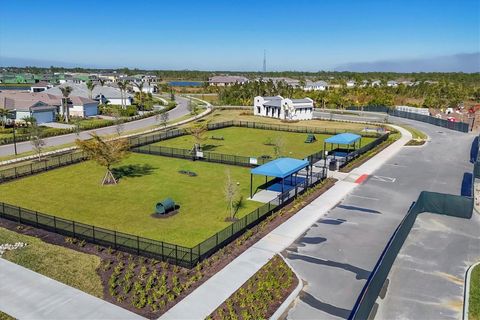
x,y
11,115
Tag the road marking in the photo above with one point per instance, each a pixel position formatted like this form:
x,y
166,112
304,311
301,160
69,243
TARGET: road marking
x,y
362,178
395,165
384,179
362,197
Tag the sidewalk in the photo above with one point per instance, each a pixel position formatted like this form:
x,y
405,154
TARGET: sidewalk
x,y
206,298
25,294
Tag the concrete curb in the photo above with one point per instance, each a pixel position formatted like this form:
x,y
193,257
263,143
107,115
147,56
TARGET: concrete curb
x,y
467,290
291,297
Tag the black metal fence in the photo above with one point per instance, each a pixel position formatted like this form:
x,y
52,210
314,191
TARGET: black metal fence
x,y
457,126
46,164
451,205
355,154
173,253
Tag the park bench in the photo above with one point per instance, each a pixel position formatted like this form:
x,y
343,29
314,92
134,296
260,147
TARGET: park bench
x,y
310,138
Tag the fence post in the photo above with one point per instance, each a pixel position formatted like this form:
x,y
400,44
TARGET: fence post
x,y
163,255
36,218
115,238
73,229
176,254
93,234
138,245
216,236
55,223
191,257
19,215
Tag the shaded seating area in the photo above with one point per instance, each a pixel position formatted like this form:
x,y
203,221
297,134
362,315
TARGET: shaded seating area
x,y
342,144
285,173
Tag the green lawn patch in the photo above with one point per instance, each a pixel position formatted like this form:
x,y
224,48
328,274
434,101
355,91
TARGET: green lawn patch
x,y
418,137
75,192
253,142
68,266
474,300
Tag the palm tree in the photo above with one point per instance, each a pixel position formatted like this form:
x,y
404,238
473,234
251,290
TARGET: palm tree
x,y
122,85
3,116
65,92
90,87
101,81
140,93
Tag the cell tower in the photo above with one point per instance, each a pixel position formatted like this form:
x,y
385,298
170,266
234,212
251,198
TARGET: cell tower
x,y
264,61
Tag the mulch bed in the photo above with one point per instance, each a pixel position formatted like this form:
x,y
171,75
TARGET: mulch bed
x,y
204,270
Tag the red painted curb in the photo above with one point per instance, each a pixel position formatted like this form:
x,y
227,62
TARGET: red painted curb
x,y
362,178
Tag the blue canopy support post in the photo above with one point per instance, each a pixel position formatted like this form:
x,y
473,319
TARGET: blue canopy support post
x,y
251,185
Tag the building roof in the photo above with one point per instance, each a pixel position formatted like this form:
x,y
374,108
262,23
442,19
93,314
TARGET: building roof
x,y
305,100
41,84
24,101
227,79
81,90
280,168
343,138
320,83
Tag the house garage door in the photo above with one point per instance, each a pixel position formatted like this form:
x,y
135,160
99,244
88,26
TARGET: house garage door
x,y
90,111
43,116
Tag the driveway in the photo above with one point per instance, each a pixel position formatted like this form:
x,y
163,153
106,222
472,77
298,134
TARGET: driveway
x,y
337,254
180,111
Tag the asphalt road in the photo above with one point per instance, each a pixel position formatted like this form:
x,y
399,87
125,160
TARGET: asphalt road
x,y
26,146
336,255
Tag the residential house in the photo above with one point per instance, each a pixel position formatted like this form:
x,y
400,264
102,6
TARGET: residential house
x,y
350,83
315,86
102,94
376,83
82,107
284,109
43,107
40,86
392,84
364,84
222,81
288,81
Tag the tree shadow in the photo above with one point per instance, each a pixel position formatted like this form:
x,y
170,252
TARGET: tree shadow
x,y
210,147
355,208
132,171
467,185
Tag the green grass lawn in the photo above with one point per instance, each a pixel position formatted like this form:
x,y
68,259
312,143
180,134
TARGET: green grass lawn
x,y
474,301
251,142
68,266
74,192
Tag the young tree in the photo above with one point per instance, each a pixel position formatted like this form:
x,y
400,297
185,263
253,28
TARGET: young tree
x,y
230,190
278,147
101,81
66,92
198,131
36,139
90,87
192,107
105,153
164,119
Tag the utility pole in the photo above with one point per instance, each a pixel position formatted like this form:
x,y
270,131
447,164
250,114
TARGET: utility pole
x,y
264,61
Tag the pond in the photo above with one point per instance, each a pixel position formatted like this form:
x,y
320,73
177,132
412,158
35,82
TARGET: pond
x,y
185,83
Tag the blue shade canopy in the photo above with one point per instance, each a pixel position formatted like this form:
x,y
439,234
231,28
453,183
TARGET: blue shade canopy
x,y
344,138
280,168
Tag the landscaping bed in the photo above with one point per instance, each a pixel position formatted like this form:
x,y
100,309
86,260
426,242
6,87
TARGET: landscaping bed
x,y
261,295
149,287
368,155
474,299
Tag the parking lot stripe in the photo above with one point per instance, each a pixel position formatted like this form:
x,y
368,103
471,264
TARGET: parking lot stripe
x,y
362,178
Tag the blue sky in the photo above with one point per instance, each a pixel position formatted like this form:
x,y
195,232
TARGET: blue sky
x,y
231,35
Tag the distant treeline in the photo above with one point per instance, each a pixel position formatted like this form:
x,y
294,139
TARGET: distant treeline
x,y
471,79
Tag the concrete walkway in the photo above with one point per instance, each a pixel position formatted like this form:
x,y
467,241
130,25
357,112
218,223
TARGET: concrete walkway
x,y
206,298
25,294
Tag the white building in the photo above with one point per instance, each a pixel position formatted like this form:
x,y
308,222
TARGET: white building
x,y
376,83
40,86
392,84
82,107
350,83
284,109
423,111
315,86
